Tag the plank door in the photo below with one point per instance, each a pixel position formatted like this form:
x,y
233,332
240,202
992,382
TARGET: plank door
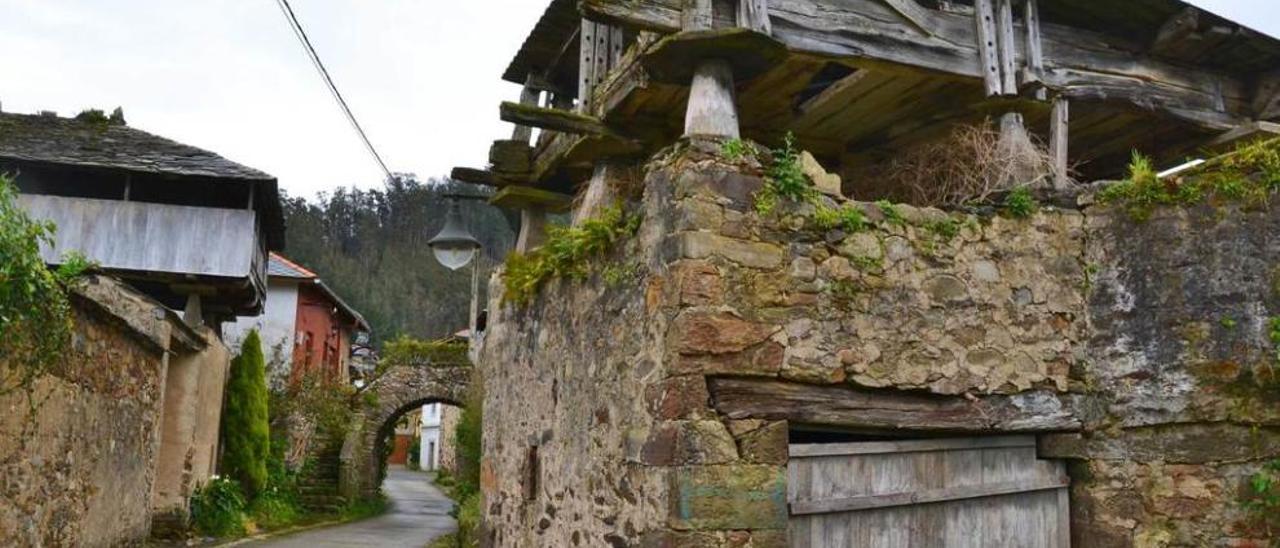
x,y
976,492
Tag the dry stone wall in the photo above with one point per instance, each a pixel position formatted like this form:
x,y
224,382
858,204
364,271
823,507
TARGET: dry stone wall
x,y
610,416
80,472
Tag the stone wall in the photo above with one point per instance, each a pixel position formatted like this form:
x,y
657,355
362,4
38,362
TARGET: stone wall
x,y
655,407
79,471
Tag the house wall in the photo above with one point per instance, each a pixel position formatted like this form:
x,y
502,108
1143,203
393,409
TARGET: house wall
x,y
193,397
429,444
276,328
1103,335
79,470
322,342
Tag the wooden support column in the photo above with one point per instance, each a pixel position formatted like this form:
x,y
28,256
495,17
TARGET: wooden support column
x,y
1007,47
985,18
712,111
533,229
528,96
587,66
1058,142
1034,72
601,191
193,314
754,15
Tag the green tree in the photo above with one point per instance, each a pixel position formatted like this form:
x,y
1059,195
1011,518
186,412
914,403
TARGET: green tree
x,y
35,312
246,434
371,247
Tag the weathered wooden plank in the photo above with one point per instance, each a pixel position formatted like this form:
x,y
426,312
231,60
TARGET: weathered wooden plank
x,y
711,111
474,176
553,119
1035,51
754,15
523,197
697,15
908,446
1079,63
988,45
741,398
926,496
529,97
1007,47
586,65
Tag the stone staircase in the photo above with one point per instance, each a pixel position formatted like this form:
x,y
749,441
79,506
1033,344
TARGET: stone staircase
x,y
318,483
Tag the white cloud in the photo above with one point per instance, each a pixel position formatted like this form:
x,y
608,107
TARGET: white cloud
x,y
421,75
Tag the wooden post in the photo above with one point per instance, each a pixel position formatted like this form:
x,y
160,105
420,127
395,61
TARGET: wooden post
x,y
985,19
528,96
697,15
533,229
1035,50
600,191
1058,142
754,15
587,66
1006,46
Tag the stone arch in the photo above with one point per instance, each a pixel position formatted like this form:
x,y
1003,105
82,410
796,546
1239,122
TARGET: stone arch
x,y
382,402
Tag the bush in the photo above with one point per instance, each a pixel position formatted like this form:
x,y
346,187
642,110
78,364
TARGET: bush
x,y
245,429
35,313
278,504
217,508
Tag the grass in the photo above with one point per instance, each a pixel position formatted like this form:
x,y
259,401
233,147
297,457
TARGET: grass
x,y
1019,203
1250,174
568,253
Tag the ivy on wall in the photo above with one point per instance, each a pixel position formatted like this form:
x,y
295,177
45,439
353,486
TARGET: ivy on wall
x,y
35,312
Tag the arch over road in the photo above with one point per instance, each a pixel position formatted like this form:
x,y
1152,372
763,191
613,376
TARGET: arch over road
x,y
397,391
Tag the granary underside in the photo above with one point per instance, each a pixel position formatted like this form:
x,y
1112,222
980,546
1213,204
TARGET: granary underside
x,y
861,80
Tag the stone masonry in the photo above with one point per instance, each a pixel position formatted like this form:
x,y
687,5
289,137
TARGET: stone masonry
x,y
81,470
1139,352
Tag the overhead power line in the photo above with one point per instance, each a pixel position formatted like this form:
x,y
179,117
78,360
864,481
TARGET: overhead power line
x,y
294,24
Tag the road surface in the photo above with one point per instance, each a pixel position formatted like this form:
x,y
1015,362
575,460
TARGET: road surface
x,y
418,513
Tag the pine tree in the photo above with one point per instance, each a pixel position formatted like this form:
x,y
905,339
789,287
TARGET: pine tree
x,y
246,436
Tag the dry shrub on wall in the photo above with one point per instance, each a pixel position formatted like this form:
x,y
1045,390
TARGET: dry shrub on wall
x,y
969,165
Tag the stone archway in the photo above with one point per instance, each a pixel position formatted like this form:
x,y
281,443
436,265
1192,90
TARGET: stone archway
x,y
400,389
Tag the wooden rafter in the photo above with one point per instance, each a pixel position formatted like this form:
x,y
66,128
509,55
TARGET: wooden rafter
x,y
1077,63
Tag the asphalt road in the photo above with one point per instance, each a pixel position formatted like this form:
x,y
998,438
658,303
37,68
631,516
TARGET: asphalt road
x,y
419,512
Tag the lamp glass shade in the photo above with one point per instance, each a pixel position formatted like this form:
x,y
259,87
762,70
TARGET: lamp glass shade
x,y
454,246
454,257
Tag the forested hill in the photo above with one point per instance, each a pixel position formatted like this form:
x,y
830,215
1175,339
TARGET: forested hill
x,y
370,246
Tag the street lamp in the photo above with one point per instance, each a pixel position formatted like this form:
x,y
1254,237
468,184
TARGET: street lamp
x,y
454,246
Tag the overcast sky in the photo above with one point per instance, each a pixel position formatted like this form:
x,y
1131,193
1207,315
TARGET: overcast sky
x,y
423,76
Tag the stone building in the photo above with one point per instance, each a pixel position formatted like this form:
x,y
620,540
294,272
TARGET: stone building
x,y
130,424
741,372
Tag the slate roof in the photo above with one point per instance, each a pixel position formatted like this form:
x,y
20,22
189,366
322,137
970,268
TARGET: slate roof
x,y
281,267
69,141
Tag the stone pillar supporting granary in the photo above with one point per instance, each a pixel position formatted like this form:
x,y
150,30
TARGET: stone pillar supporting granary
x,y
746,373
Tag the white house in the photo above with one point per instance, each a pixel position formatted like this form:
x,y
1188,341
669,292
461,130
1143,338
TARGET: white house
x,y
429,436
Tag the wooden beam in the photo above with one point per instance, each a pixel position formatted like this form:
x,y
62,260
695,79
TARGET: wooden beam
x,y
474,176
1266,97
963,492
529,97
1034,71
1007,47
553,119
1176,32
838,406
913,13
754,15
1078,63
833,92
523,197
984,14
1248,132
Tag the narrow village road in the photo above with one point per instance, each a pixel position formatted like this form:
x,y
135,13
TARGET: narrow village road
x,y
419,512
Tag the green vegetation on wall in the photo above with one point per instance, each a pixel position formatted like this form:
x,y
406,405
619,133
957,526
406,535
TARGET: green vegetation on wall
x,y
465,486
1250,175
35,311
569,252
1263,498
246,434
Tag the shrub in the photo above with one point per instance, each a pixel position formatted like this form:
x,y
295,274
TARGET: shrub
x,y
567,253
279,503
1263,499
1019,203
217,508
245,429
467,440
785,178
35,312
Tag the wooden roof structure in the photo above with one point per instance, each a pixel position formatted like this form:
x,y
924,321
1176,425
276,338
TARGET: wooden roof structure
x,y
863,79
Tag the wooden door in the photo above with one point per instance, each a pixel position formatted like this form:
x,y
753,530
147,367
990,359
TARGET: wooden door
x,y
978,492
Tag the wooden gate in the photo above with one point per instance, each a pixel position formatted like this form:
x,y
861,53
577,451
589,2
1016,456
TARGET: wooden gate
x,y
980,492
